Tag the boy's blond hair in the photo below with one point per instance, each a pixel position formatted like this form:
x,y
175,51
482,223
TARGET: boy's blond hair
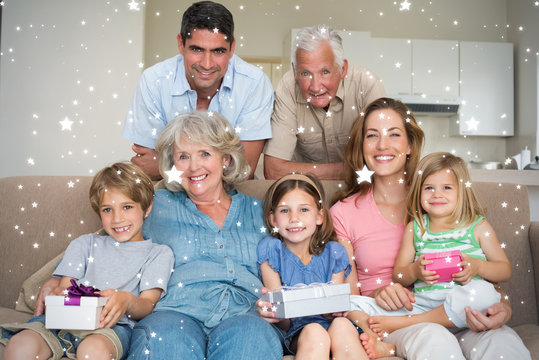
x,y
467,208
128,179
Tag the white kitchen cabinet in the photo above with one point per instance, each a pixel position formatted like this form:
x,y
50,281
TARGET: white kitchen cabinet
x,y
391,61
417,67
435,68
486,90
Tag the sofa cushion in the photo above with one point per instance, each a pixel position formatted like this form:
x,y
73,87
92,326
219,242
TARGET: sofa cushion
x,y
529,333
41,215
31,286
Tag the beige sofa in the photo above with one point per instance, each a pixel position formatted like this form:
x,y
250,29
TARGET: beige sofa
x,y
41,214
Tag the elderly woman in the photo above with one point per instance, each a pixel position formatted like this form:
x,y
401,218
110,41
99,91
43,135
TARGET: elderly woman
x,y
369,218
208,311
213,230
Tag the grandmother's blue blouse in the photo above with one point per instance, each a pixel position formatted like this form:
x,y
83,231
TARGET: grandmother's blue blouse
x,y
215,270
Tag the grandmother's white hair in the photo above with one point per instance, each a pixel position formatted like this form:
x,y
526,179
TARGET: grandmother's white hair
x,y
309,39
203,127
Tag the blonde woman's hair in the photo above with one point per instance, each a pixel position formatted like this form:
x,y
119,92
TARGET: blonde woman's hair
x,y
312,186
203,127
353,154
126,177
468,206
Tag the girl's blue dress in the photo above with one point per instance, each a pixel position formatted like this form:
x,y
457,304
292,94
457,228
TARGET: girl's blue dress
x,y
292,271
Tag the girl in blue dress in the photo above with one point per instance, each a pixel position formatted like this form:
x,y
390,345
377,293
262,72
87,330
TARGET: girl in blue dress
x,y
305,250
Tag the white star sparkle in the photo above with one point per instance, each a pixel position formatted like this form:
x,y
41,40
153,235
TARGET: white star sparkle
x,y
364,175
174,175
405,5
472,124
133,5
66,124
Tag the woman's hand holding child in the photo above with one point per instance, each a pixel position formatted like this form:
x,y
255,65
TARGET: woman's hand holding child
x,y
393,297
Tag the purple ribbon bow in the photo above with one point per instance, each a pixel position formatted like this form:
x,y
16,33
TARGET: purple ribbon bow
x,y
75,291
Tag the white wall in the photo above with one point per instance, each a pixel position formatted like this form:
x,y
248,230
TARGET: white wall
x,y
54,59
523,13
262,25
66,58
425,20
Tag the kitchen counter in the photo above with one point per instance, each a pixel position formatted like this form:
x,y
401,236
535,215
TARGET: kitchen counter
x,y
530,178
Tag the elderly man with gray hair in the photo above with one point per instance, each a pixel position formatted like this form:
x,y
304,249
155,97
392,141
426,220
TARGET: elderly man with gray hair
x,y
316,103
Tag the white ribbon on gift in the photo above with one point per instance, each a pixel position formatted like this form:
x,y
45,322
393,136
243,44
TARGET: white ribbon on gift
x,y
320,289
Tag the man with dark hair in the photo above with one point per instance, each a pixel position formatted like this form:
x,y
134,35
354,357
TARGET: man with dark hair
x,y
206,75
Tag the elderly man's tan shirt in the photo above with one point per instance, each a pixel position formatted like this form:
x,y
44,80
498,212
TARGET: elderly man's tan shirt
x,y
303,133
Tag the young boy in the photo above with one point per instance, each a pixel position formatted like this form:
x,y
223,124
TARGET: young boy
x,y
133,271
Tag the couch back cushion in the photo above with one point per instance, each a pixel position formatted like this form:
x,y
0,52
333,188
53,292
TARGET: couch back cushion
x,y
509,214
40,216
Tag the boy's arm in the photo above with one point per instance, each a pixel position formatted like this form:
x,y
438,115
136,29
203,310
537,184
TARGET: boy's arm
x,y
124,302
496,268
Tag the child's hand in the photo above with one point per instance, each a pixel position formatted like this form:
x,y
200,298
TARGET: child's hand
x,y
264,307
58,291
429,277
47,289
470,268
115,307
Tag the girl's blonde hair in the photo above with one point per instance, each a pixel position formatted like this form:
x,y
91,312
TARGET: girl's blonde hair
x,y
312,186
467,208
353,154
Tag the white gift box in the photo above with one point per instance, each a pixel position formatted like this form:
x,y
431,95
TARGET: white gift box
x,y
306,300
73,317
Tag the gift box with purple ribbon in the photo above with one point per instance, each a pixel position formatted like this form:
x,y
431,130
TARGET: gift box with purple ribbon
x,y
79,309
305,300
445,264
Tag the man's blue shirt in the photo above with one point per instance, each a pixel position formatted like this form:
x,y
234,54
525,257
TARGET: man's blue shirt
x,y
245,99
